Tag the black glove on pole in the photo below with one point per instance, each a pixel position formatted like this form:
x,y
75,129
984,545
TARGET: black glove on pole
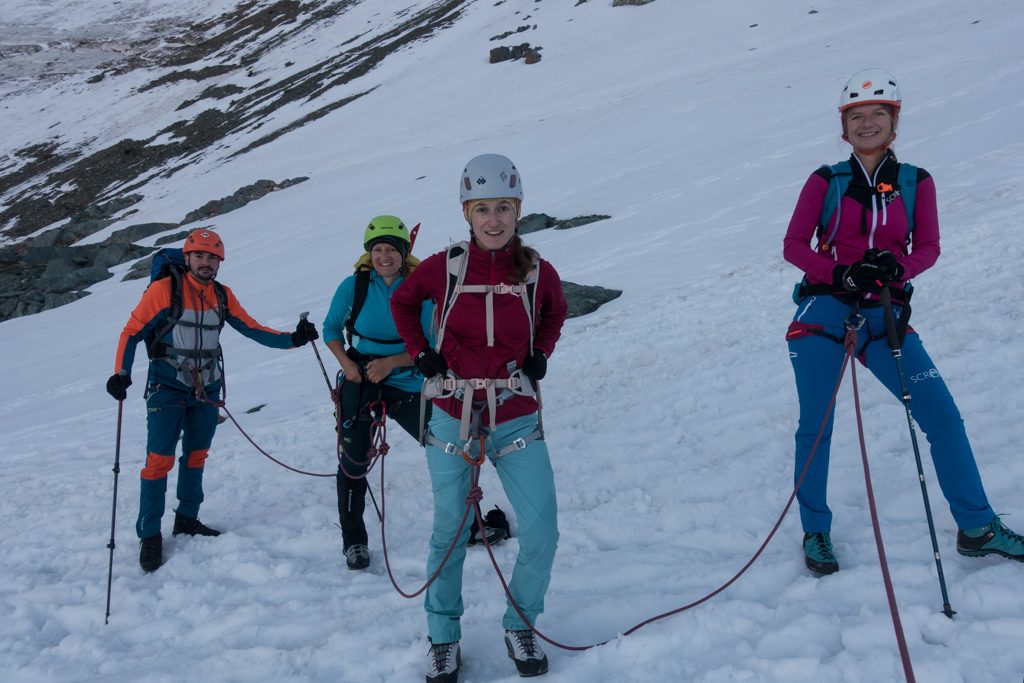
x,y
536,365
117,386
304,333
431,363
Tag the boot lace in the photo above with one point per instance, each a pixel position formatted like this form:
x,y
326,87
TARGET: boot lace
x,y
441,654
526,642
822,545
1002,530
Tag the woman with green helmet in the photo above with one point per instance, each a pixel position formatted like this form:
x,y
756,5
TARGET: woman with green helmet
x,y
361,334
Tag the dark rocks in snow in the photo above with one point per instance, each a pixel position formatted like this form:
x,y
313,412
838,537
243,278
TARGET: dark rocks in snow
x,y
50,270
506,34
524,51
239,198
52,180
583,299
533,222
620,3
215,92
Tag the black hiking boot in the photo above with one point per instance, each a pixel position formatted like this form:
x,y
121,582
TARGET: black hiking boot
x,y
357,556
151,553
818,554
524,650
443,661
496,528
191,526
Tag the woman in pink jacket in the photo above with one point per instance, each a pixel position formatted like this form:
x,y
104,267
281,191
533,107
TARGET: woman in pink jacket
x,y
875,224
499,309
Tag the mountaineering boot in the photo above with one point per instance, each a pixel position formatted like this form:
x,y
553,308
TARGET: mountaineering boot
x,y
191,526
524,650
818,555
357,556
443,660
151,553
993,538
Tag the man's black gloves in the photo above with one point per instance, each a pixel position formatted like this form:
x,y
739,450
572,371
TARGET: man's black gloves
x,y
304,333
870,273
117,386
431,363
536,365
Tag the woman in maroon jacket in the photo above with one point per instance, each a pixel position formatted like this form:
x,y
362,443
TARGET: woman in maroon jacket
x,y
499,310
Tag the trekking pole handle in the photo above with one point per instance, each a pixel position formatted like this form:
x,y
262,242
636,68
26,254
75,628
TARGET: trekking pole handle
x,y
303,315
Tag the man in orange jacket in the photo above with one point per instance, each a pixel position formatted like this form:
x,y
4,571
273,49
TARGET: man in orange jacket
x,y
180,318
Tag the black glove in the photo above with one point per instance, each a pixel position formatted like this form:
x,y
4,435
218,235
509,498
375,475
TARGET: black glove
x,y
304,333
536,365
117,386
859,276
889,268
431,363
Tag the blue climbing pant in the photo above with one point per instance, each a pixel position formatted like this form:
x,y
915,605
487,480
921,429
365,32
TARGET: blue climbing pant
x,y
528,482
816,362
170,415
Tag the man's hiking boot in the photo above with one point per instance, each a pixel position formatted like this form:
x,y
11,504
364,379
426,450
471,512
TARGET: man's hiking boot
x,y
818,555
191,526
524,649
357,556
151,553
443,660
993,538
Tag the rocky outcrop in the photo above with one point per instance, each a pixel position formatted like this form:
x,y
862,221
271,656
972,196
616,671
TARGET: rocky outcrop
x,y
583,299
532,222
51,270
524,51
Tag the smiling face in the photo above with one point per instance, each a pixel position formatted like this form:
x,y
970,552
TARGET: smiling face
x,y
869,127
203,265
386,260
493,223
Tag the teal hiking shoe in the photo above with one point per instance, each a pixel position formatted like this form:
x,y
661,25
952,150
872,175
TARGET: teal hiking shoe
x,y
818,555
993,538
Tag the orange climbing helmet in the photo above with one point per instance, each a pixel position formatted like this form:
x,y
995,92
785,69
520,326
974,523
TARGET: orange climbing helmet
x,y
204,239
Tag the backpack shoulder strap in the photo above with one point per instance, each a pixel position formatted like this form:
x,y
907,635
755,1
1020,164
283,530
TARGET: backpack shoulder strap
x,y
358,299
456,258
831,208
530,299
907,180
222,302
174,314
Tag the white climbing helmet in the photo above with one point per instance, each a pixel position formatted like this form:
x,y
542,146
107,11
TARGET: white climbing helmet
x,y
490,176
870,86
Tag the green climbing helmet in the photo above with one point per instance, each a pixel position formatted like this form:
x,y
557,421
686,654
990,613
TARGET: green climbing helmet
x,y
389,229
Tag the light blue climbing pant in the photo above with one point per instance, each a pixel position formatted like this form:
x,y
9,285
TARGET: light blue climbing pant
x,y
529,484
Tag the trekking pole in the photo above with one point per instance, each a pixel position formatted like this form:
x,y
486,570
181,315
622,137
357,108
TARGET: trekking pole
x,y
113,514
897,354
312,342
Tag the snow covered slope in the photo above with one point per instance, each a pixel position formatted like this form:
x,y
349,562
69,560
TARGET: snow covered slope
x,y
669,411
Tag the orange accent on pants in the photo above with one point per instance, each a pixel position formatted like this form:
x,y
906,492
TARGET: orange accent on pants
x,y
157,466
197,458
